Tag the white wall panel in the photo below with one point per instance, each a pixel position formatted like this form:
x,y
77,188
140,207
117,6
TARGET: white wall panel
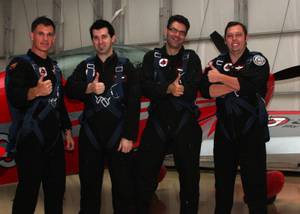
x,y
77,23
142,21
42,7
107,11
269,15
21,27
219,12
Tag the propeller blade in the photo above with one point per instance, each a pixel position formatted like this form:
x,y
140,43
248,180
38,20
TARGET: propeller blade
x,y
287,73
218,40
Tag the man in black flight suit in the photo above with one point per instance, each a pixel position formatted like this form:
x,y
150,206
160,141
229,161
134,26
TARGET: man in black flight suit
x,y
238,80
170,79
108,86
35,96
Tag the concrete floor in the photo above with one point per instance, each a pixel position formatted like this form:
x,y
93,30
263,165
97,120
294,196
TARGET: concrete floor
x,y
167,201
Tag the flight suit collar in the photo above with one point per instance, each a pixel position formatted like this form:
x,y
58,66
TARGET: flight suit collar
x,y
242,59
164,52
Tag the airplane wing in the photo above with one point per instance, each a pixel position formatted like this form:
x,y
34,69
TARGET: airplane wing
x,y
283,149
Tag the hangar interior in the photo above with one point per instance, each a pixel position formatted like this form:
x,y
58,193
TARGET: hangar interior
x,y
273,27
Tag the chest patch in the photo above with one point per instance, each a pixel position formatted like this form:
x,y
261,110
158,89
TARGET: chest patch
x,y
163,62
43,71
239,67
227,67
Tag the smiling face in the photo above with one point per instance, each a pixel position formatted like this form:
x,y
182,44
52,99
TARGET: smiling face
x,y
176,34
236,40
103,42
43,38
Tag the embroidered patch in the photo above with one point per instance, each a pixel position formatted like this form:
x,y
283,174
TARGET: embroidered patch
x,y
239,67
259,60
227,66
43,71
163,62
219,62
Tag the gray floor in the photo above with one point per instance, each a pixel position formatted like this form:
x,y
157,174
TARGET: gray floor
x,y
167,201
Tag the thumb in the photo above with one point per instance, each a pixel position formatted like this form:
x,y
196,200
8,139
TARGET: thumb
x,y
41,79
96,77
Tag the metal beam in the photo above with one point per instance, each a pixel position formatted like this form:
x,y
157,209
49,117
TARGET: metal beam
x,y
241,11
98,9
59,25
8,31
165,11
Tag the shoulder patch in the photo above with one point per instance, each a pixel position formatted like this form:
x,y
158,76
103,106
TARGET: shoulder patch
x,y
259,60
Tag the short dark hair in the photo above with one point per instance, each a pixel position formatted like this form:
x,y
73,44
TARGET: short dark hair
x,y
234,23
181,19
100,23
42,20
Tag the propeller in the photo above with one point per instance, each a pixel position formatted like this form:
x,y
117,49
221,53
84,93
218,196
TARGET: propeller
x,y
288,73
219,42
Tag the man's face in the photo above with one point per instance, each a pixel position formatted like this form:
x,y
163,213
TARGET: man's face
x,y
176,34
102,41
43,38
235,39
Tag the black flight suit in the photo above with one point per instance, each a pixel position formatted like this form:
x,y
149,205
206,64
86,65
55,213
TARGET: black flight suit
x,y
165,116
103,124
241,133
38,163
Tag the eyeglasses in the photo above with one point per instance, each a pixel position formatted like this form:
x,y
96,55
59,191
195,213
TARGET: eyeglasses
x,y
175,31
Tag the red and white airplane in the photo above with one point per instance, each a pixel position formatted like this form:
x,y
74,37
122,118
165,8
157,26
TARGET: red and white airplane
x,y
283,149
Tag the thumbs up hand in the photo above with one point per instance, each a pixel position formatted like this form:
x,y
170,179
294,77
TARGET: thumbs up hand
x,y
213,74
95,86
44,88
175,88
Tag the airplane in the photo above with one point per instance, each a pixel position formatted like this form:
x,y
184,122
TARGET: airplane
x,y
283,150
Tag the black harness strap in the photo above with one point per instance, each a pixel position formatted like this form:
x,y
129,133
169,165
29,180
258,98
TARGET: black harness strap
x,y
112,101
178,103
23,122
235,104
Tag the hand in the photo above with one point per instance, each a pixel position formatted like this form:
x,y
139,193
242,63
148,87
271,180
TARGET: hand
x,y
175,88
69,145
43,88
96,86
125,145
214,75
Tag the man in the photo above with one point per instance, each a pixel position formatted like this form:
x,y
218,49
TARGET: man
x,y
108,86
35,95
238,80
170,79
